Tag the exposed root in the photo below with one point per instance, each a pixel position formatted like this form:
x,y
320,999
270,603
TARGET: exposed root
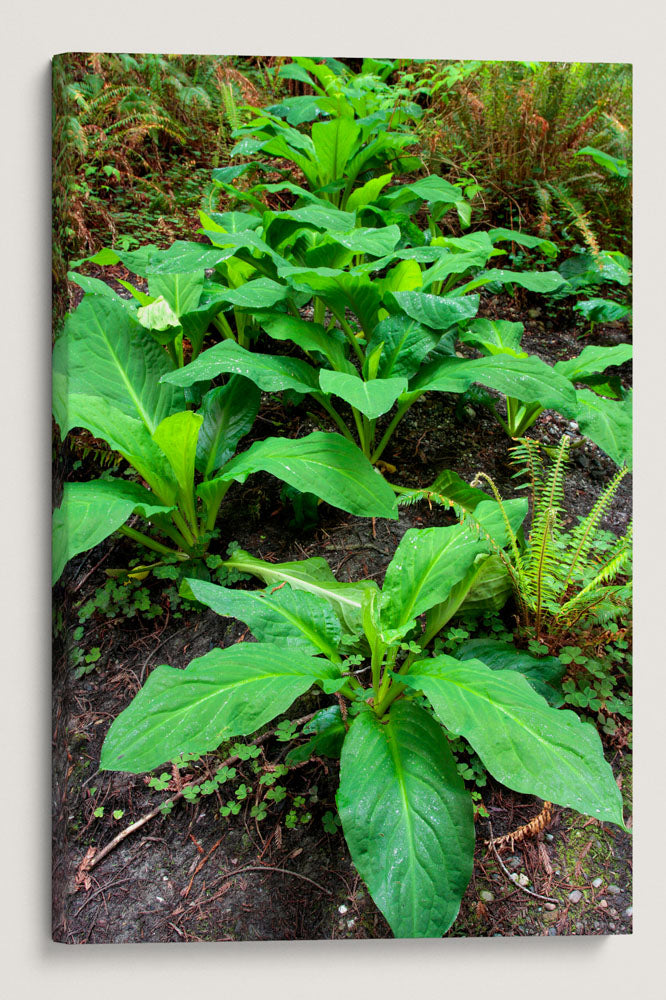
x,y
535,825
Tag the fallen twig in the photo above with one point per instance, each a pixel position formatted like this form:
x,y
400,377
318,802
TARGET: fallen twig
x,y
262,868
512,880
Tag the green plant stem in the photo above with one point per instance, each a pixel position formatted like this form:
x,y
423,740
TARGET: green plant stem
x,y
150,543
386,677
319,311
162,524
334,415
221,324
349,334
358,420
501,421
213,510
184,529
395,689
402,409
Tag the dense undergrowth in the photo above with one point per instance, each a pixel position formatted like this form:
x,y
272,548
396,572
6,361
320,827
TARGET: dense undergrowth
x,y
348,240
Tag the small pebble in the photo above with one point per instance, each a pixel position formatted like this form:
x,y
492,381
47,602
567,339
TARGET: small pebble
x,y
487,896
597,882
611,927
552,931
550,837
550,906
629,912
342,909
614,890
576,896
603,903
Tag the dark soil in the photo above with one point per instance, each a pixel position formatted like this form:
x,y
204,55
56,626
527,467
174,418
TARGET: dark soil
x,y
193,875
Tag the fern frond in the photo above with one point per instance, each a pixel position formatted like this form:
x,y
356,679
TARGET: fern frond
x,y
526,456
544,559
582,537
578,215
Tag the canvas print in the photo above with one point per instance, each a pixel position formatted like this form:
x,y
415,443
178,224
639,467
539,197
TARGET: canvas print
x,y
342,498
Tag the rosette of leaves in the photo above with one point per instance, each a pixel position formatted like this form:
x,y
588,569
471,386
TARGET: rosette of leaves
x,y
406,816
361,133
107,375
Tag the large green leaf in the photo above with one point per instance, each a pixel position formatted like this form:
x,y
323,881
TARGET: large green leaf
x,y
181,257
523,742
315,577
181,291
427,564
602,310
233,243
227,692
524,240
127,435
372,397
490,588
375,242
610,163
327,465
406,818
106,353
269,372
528,379
494,336
433,189
293,618
593,359
158,317
455,263
436,311
534,281
90,512
308,335
177,437
405,341
544,673
95,286
367,193
228,414
263,293
608,423
339,289
334,143
321,215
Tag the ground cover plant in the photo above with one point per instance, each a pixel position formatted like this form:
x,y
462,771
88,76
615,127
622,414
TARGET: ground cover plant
x,y
345,310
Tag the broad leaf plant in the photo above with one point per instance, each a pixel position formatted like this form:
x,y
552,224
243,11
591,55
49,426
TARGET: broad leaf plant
x,y
406,816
